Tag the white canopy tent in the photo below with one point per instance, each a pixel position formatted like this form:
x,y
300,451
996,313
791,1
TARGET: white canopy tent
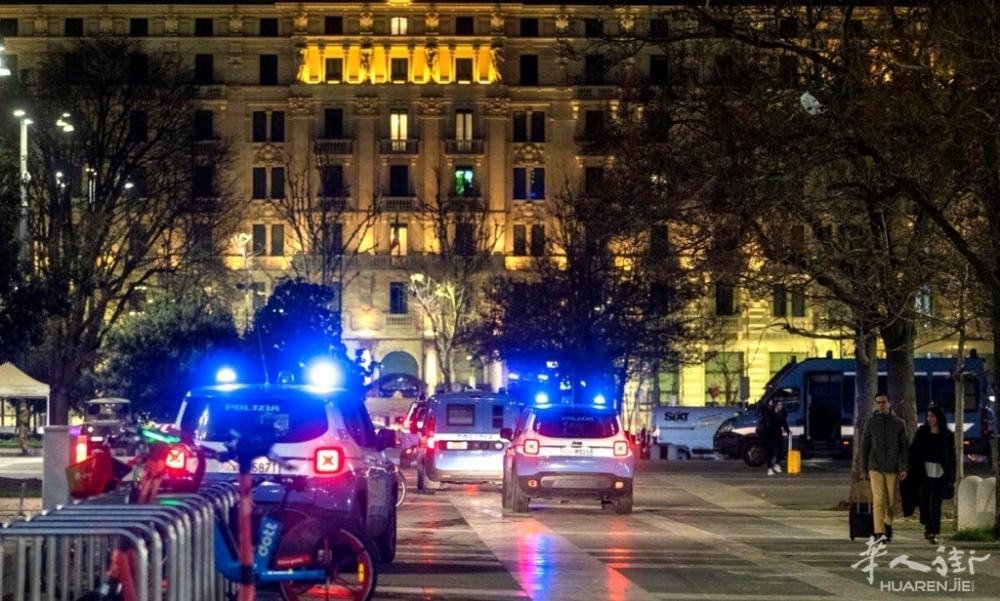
x,y
15,384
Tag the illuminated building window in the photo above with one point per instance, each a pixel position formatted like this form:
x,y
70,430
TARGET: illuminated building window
x,y
397,239
400,68
399,25
463,125
464,181
398,129
334,70
463,70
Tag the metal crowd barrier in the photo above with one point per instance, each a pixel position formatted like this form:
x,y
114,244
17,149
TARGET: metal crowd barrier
x,y
59,555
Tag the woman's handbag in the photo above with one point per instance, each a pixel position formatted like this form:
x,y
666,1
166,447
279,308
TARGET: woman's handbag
x,y
948,492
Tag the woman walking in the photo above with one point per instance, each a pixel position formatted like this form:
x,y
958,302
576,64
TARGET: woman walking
x,y
932,457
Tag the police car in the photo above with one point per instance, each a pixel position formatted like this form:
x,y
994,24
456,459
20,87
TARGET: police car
x,y
565,451
332,459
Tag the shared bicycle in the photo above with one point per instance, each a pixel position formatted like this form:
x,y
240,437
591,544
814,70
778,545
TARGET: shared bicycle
x,y
307,557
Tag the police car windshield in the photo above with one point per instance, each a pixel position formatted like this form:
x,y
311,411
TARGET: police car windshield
x,y
575,423
294,420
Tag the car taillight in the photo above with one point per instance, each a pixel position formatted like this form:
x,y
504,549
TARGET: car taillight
x,y
329,461
621,448
176,459
81,449
531,447
430,443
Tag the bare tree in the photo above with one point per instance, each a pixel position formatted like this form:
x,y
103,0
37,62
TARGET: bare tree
x,y
122,203
329,229
465,233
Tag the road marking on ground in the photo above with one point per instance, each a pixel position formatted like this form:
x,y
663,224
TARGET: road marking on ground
x,y
473,593
544,563
820,578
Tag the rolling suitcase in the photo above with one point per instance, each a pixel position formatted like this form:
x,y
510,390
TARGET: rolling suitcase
x,y
862,520
794,461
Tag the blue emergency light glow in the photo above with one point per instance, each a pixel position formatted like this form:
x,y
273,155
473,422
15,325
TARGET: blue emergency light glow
x,y
226,375
599,399
541,398
323,374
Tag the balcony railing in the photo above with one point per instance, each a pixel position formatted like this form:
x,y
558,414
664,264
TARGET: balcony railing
x,y
398,203
398,146
596,92
203,147
463,147
465,202
590,144
396,320
211,92
345,146
333,203
727,323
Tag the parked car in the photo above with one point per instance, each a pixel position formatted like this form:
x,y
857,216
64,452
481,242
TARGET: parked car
x,y
335,465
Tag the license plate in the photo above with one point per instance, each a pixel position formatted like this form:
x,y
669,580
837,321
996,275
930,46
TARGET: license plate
x,y
457,445
259,466
578,452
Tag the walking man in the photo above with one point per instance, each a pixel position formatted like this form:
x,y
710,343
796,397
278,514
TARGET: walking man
x,y
884,460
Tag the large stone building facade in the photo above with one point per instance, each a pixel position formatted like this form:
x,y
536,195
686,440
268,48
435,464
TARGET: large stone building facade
x,y
401,101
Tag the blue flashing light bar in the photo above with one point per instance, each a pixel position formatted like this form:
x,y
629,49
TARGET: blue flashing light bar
x,y
226,375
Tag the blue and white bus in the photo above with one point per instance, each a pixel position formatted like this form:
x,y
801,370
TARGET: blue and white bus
x,y
818,395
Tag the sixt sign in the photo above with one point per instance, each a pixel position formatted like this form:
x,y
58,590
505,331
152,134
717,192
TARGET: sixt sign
x,y
675,416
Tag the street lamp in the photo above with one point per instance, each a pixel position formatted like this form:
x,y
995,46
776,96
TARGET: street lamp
x,y
25,178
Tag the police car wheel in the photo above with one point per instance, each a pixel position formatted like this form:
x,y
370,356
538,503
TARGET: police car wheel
x,y
386,542
505,494
623,505
423,482
519,500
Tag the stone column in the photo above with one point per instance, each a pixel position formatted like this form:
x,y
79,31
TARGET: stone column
x,y
430,369
496,152
496,376
299,141
366,109
431,114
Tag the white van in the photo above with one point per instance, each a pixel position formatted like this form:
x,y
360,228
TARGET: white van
x,y
691,430
460,439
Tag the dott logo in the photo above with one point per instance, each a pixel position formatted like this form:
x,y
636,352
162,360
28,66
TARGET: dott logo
x,y
675,417
268,532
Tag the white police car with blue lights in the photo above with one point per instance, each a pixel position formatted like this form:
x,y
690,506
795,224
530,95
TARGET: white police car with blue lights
x,y
333,460
566,451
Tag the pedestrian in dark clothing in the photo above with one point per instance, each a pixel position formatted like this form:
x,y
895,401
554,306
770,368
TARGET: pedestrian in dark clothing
x,y
932,459
884,458
777,426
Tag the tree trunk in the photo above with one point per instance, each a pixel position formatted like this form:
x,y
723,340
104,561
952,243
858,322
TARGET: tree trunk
x,y
959,415
898,338
865,387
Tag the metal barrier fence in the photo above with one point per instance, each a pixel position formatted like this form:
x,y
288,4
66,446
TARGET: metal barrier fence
x,y
61,554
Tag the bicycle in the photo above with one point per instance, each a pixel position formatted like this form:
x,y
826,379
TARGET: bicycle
x,y
310,559
400,484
